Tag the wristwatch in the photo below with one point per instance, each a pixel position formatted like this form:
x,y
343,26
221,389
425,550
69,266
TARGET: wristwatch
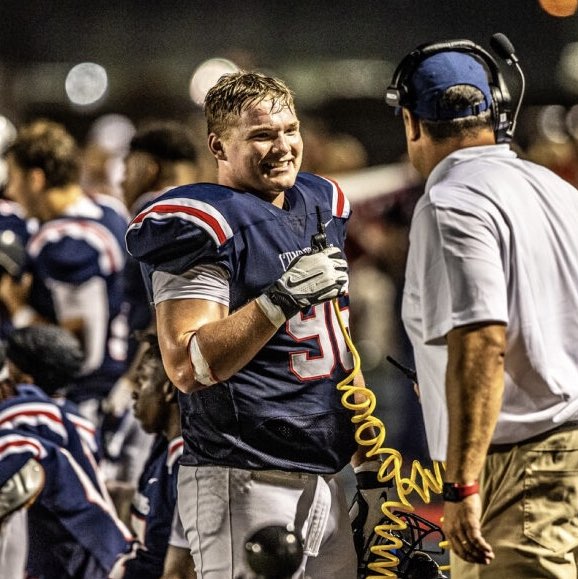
x,y
456,492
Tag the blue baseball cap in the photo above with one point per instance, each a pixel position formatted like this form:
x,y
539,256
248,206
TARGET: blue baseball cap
x,y
434,75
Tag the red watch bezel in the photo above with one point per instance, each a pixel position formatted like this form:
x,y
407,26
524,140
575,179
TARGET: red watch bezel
x,y
456,492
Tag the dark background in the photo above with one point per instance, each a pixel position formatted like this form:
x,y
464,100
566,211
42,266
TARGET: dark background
x,y
150,50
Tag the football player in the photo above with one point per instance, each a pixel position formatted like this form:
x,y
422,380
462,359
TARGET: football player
x,y
73,532
242,274
154,504
76,257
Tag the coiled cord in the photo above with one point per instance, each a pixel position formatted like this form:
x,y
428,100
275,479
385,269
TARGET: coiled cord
x,y
371,432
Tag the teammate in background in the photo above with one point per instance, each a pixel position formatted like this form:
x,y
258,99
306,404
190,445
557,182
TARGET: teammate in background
x,y
249,336
77,256
155,502
490,306
42,361
28,408
161,154
73,531
15,231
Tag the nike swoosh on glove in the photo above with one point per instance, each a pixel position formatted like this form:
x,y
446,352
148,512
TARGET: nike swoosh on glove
x,y
310,279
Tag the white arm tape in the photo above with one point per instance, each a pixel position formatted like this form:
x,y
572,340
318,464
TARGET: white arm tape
x,y
273,312
201,368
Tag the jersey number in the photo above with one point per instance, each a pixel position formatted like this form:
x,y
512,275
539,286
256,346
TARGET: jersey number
x,y
320,324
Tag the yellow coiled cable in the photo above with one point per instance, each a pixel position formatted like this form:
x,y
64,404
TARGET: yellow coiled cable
x,y
371,432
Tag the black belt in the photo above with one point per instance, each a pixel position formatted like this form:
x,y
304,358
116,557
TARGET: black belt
x,y
570,425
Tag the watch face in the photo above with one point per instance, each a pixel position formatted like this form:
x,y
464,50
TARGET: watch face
x,y
454,492
451,493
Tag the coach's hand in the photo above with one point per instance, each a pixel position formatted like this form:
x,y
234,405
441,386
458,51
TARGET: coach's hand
x,y
310,279
462,528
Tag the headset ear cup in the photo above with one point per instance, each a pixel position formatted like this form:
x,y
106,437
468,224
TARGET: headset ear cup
x,y
501,114
397,91
495,108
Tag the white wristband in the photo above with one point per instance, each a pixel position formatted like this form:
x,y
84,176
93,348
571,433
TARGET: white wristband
x,y
201,368
274,313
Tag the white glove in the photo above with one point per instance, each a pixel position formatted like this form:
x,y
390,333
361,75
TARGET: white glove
x,y
310,279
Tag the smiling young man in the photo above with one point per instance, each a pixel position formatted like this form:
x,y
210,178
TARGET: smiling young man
x,y
249,336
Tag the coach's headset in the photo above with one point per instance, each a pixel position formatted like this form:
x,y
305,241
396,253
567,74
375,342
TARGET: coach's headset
x,y
504,122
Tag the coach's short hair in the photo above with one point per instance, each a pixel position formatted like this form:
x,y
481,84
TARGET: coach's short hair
x,y
458,98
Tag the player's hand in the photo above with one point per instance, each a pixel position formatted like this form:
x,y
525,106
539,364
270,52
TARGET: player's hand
x,y
310,279
461,526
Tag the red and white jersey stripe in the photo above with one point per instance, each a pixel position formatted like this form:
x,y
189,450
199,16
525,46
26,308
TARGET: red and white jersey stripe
x,y
340,205
198,212
35,414
111,255
175,451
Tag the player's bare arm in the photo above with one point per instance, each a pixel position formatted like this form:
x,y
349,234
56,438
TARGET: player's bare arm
x,y
202,345
227,343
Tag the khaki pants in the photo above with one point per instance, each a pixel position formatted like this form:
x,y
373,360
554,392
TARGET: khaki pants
x,y
530,511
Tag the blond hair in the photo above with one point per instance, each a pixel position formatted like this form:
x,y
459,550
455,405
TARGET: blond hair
x,y
237,91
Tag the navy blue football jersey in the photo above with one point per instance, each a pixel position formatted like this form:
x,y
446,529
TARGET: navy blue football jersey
x,y
282,410
152,512
73,532
140,311
32,411
85,248
87,431
12,218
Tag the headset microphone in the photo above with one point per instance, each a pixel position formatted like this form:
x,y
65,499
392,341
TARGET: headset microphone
x,y
502,46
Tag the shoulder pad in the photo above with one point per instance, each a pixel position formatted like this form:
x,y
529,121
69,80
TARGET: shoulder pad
x,y
67,244
330,189
188,220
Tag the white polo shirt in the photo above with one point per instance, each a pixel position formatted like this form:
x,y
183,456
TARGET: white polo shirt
x,y
495,238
